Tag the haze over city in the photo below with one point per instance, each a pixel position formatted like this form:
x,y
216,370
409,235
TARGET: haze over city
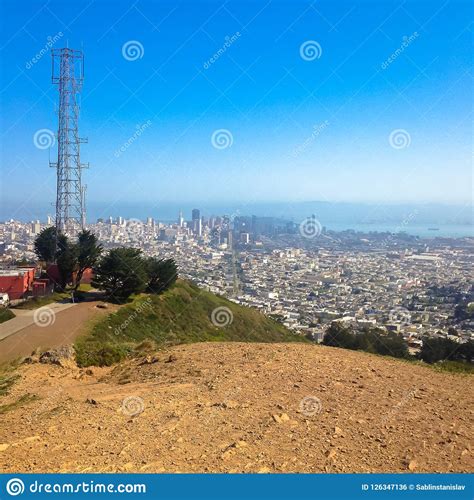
x,y
301,128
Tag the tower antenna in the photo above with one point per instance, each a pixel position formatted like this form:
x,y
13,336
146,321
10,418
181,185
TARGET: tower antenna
x,y
68,74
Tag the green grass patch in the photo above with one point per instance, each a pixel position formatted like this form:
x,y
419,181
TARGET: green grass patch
x,y
8,375
22,400
6,382
84,287
453,367
81,294
181,315
5,314
440,366
44,301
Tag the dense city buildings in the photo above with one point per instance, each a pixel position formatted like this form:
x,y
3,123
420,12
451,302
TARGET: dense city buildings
x,y
303,278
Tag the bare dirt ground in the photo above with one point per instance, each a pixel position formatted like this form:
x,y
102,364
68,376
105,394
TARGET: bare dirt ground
x,y
63,329
234,407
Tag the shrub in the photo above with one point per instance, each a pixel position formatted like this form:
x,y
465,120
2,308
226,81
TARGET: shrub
x,y
438,349
370,340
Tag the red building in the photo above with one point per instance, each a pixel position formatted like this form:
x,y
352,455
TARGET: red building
x,y
53,274
42,287
17,282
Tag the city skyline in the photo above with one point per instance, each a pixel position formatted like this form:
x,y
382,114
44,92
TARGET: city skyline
x,y
236,237
354,115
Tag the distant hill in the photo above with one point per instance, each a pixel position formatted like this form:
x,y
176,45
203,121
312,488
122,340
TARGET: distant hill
x,y
183,314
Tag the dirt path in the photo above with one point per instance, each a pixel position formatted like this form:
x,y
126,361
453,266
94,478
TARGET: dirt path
x,y
234,407
61,327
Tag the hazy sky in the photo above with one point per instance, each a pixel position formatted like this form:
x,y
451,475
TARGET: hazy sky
x,y
378,109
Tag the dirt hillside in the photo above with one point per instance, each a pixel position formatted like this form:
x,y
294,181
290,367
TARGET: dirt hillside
x,y
235,407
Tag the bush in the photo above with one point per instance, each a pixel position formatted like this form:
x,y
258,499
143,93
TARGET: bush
x,y
5,314
99,354
439,349
338,335
454,367
370,340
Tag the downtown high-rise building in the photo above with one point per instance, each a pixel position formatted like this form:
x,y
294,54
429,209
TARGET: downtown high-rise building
x,y
197,222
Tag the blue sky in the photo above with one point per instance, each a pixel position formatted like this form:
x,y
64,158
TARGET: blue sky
x,y
300,129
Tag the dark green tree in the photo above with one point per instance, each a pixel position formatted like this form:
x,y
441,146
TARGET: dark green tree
x,y
366,341
442,349
66,261
45,244
370,340
88,253
466,350
120,273
162,273
389,344
337,335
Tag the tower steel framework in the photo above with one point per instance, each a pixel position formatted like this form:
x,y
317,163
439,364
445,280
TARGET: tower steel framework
x,y
68,74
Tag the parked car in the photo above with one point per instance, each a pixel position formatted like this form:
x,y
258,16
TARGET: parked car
x,y
4,299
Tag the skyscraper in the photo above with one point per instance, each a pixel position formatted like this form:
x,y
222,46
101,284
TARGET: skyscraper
x,y
198,227
36,227
197,223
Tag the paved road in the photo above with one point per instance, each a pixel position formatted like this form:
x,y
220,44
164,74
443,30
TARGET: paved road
x,y
27,317
69,321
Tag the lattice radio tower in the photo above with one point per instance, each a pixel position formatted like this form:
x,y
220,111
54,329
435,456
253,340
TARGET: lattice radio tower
x,y
68,74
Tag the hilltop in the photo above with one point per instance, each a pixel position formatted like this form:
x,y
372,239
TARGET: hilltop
x,y
183,314
188,381
237,407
